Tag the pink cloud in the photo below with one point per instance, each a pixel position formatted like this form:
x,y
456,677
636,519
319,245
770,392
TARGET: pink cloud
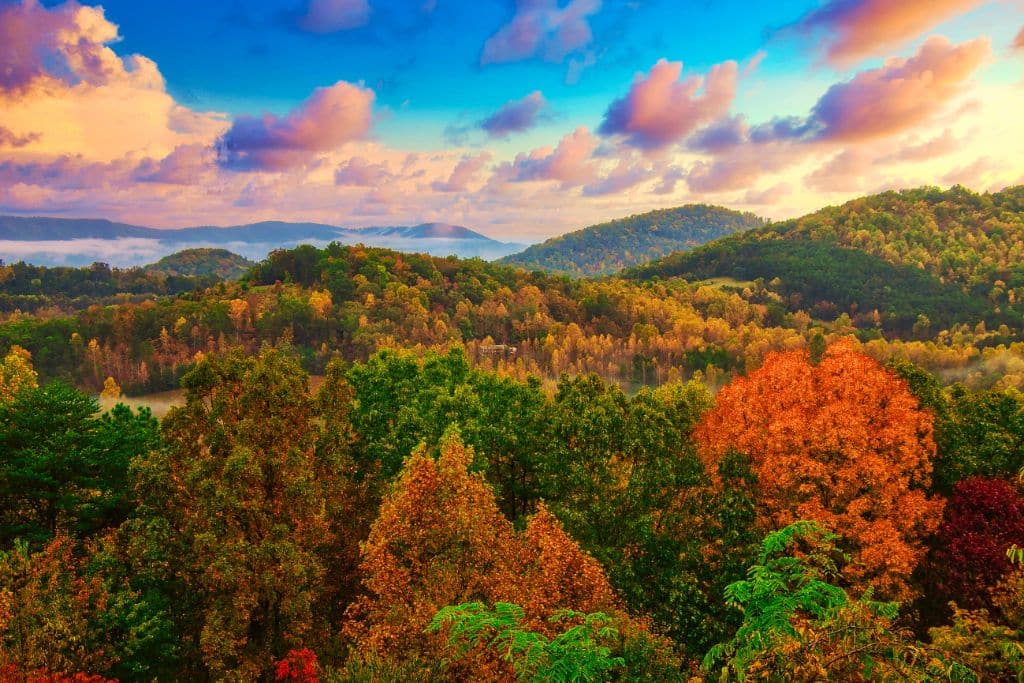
x,y
540,28
660,109
186,165
328,16
841,173
515,116
901,93
1018,42
929,149
329,118
624,176
464,173
64,44
9,139
860,28
768,196
570,163
359,172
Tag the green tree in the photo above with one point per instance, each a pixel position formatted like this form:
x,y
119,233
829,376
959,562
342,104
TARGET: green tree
x,y
581,653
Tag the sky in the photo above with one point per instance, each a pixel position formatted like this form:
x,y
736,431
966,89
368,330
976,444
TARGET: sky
x,y
521,119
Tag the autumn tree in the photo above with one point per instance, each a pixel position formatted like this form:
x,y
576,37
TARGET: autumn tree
x,y
984,517
844,443
236,487
16,373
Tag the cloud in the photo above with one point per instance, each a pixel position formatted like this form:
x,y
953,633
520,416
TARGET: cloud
x,y
625,175
329,16
660,109
571,162
841,173
929,149
721,135
540,28
1018,42
9,139
860,28
359,172
900,94
186,165
515,116
768,196
465,171
326,120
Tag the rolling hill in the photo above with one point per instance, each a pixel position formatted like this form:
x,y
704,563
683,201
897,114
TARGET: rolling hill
x,y
609,247
951,256
220,263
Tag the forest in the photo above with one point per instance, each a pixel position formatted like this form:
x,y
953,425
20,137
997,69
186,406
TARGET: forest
x,y
398,467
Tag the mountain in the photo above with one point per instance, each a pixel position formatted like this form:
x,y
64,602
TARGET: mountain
x,y
200,262
80,241
609,247
953,256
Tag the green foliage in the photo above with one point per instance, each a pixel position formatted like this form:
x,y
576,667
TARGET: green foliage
x,y
581,653
609,247
63,468
799,626
203,262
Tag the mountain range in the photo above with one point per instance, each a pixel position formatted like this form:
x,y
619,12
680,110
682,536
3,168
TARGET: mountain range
x,y
80,241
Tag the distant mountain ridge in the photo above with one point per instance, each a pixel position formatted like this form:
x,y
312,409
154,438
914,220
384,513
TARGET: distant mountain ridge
x,y
44,228
609,247
83,240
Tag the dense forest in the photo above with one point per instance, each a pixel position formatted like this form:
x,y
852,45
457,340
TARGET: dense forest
x,y
789,455
609,247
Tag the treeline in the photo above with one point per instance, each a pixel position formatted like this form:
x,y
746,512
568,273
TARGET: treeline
x,y
415,518
29,288
609,247
352,301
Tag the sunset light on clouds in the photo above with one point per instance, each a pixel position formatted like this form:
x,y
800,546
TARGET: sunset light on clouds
x,y
520,119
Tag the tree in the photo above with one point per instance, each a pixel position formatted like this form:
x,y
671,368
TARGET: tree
x,y
579,654
16,373
64,468
237,487
843,443
798,625
984,517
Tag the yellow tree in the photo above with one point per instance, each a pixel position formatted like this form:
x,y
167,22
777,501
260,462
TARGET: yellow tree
x,y
16,373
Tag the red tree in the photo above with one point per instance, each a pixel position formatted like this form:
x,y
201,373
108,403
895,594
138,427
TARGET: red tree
x,y
983,519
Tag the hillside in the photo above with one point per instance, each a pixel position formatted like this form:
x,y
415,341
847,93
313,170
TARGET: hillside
x,y
609,247
951,256
200,262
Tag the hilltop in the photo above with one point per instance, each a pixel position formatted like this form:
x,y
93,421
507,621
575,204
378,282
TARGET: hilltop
x,y
221,263
948,255
609,247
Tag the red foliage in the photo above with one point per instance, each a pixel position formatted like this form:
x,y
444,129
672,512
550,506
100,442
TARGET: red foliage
x,y
984,518
299,666
11,673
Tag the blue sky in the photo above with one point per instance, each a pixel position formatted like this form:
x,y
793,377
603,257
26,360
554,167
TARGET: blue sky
x,y
420,76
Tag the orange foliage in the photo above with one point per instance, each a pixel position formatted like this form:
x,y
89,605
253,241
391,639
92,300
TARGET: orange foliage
x,y
844,443
441,540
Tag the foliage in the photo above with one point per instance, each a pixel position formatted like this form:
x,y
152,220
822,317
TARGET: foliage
x,y
800,626
202,262
576,654
65,468
16,373
609,247
984,517
843,443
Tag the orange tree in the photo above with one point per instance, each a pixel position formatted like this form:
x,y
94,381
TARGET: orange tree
x,y
844,443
